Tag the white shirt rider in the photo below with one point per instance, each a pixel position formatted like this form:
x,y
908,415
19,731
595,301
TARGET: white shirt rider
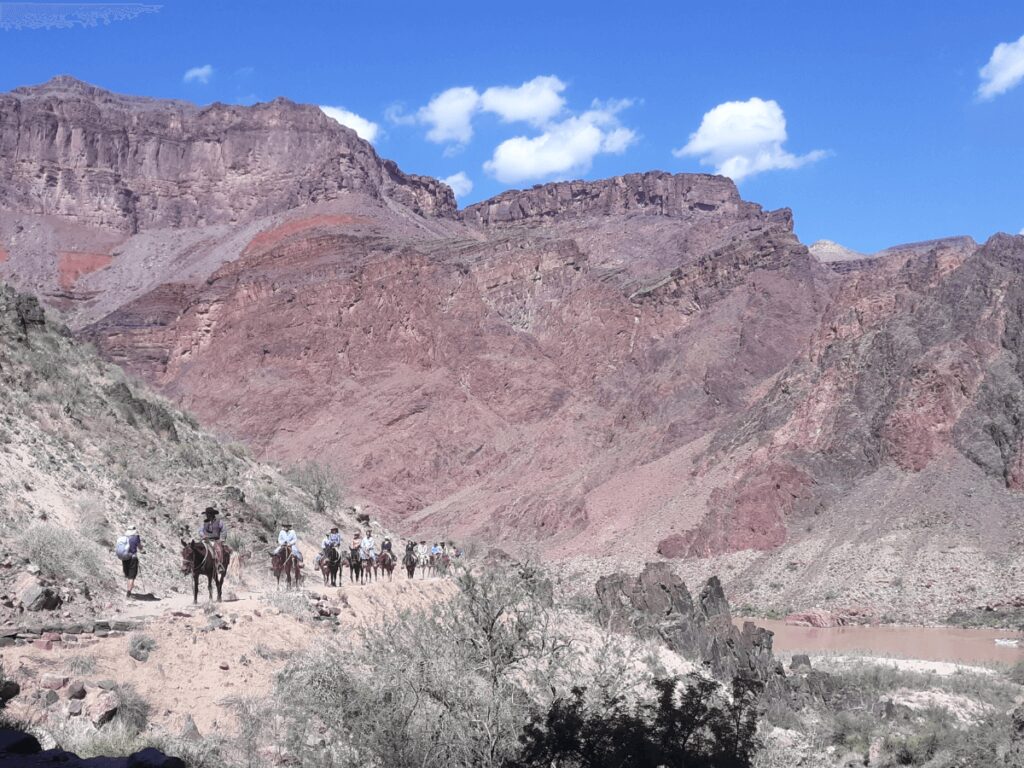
x,y
369,546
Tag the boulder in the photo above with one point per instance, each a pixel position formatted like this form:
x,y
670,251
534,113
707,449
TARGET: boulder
x,y
36,597
53,682
800,661
101,710
76,690
75,707
189,730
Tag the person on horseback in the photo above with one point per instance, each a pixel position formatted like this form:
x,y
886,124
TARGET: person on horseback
x,y
435,550
212,533
332,539
386,546
288,538
369,547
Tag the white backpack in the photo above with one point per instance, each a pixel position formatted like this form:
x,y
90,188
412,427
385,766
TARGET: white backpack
x,y
121,549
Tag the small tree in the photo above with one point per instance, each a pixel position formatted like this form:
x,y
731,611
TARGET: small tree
x,y
317,481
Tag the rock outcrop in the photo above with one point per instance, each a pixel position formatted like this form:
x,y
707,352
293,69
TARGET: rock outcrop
x,y
133,164
655,193
657,604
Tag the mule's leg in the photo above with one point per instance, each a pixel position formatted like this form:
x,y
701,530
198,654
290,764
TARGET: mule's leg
x,y
195,589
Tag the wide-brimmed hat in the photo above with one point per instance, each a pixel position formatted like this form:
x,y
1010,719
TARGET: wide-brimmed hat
x,y
334,529
130,530
211,511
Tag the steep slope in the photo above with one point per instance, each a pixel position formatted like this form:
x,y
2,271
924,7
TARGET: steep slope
x,y
892,449
488,383
509,369
84,451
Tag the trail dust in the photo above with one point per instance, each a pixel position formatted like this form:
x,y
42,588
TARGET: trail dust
x,y
208,653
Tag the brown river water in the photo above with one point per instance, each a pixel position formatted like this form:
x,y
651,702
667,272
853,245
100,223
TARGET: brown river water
x,y
953,644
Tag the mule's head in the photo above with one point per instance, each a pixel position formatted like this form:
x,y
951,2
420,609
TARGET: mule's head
x,y
187,558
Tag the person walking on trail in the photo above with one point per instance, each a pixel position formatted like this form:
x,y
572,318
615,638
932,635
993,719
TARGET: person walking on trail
x,y
128,548
369,547
212,533
288,538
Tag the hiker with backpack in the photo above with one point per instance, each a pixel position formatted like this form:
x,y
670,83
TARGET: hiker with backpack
x,y
127,550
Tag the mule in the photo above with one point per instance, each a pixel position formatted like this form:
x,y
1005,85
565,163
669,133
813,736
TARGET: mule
x,y
287,563
409,561
441,563
355,566
330,564
423,564
386,562
198,559
369,567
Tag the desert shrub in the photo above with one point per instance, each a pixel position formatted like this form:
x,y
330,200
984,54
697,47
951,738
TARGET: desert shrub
x,y
60,553
93,523
132,708
80,664
687,724
451,687
139,646
115,739
293,603
319,483
1016,673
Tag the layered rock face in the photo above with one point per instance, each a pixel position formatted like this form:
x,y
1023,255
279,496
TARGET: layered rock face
x,y
131,164
483,380
647,358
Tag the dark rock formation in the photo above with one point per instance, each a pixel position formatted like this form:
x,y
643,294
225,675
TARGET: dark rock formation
x,y
657,604
21,750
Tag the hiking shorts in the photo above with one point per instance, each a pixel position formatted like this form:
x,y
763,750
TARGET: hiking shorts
x,y
130,567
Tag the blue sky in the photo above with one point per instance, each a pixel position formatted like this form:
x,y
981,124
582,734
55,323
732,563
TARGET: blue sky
x,y
886,138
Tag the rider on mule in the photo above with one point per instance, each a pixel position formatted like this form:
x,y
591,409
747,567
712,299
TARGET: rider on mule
x,y
288,538
332,539
386,546
212,533
369,547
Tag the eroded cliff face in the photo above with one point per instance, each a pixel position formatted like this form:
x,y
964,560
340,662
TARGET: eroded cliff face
x,y
487,382
132,164
643,358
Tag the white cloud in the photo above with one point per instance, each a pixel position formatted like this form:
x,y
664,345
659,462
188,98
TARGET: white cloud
x,y
1004,70
460,183
450,115
534,102
366,129
564,147
199,74
743,138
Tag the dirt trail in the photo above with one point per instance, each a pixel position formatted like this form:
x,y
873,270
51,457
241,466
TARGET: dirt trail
x,y
205,655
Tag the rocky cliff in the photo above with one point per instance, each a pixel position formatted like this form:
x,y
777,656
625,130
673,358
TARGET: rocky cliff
x,y
571,363
132,164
